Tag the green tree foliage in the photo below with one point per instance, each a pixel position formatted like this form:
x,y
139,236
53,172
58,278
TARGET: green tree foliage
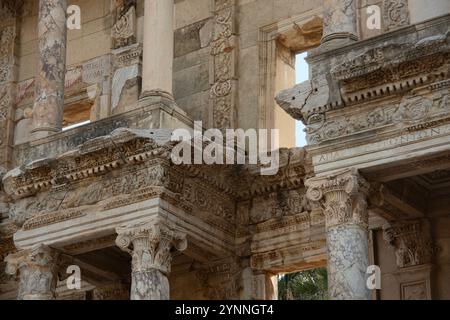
x,y
305,285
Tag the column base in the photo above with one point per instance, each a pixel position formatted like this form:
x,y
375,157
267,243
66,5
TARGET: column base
x,y
336,40
149,285
156,93
154,97
44,132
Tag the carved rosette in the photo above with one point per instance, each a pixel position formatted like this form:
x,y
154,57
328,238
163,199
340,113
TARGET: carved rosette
x,y
412,242
396,14
150,244
38,272
342,197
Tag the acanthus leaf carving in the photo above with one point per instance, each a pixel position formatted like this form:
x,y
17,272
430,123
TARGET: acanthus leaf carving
x,y
150,244
411,241
342,196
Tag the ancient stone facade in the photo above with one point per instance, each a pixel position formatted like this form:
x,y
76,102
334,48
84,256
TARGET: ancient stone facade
x,y
88,181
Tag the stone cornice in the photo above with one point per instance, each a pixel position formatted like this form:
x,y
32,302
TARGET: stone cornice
x,y
93,158
372,69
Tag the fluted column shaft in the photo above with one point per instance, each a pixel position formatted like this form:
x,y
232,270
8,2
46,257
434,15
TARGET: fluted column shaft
x,y
339,18
37,268
343,197
158,48
150,245
51,68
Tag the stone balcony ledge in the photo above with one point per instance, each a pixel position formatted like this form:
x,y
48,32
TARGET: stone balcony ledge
x,y
151,115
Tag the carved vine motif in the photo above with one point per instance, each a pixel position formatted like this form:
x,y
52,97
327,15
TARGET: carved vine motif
x,y
223,55
342,196
7,86
412,242
396,14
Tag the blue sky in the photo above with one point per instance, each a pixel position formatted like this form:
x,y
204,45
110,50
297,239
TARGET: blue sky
x,y
302,74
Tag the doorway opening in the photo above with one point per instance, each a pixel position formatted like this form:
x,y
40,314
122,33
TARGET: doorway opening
x,y
309,284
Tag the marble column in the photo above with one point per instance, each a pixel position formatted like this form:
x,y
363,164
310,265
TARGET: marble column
x,y
37,268
343,197
51,68
339,21
150,244
158,48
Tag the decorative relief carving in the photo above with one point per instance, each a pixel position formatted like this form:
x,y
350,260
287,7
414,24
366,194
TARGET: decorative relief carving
x,y
221,279
37,268
7,78
223,59
396,14
51,218
412,242
94,158
415,291
207,201
150,244
343,196
382,69
412,111
124,29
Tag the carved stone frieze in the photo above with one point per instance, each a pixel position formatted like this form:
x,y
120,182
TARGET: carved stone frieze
x,y
93,158
412,242
413,112
221,279
393,66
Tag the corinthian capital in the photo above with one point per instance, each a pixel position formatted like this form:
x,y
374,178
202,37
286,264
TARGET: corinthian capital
x,y
37,267
342,196
150,244
411,241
